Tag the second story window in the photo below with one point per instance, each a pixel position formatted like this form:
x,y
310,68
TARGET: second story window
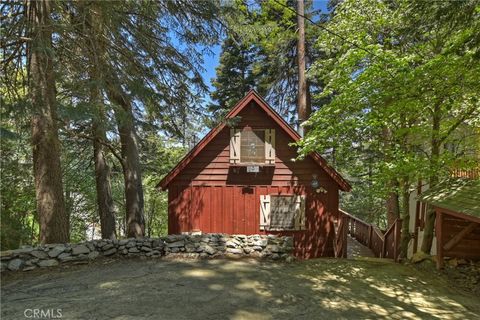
x,y
252,146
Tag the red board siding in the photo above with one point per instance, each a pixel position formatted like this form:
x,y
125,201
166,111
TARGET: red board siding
x,y
211,196
212,167
236,210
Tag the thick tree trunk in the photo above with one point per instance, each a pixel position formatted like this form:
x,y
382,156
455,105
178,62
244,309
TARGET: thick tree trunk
x,y
405,235
428,231
106,208
96,50
303,105
392,203
435,145
135,221
54,226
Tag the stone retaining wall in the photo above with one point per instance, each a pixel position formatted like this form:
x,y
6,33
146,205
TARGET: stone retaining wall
x,y
188,245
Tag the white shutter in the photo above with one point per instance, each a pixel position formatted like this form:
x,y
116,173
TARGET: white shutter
x,y
234,146
270,146
264,212
299,212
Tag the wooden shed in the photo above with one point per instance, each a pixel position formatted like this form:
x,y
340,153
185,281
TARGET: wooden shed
x,y
242,178
457,225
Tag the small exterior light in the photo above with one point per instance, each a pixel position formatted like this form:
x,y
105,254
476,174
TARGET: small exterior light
x,y
315,184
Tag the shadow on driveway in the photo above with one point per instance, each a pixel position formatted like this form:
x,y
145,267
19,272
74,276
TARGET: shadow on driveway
x,y
236,289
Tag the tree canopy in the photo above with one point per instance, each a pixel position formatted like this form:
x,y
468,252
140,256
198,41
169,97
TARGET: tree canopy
x,y
104,97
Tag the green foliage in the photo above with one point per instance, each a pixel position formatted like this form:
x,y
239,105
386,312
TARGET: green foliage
x,y
159,157
234,77
19,224
156,208
260,52
395,71
154,52
392,83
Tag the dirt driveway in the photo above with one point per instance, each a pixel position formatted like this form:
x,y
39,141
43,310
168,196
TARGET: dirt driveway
x,y
225,289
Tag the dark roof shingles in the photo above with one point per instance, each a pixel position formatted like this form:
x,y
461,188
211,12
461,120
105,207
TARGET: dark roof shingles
x,y
459,195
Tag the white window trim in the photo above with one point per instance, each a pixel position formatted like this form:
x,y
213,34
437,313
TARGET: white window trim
x,y
300,215
235,147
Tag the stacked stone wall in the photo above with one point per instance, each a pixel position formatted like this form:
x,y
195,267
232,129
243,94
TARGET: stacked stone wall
x,y
210,245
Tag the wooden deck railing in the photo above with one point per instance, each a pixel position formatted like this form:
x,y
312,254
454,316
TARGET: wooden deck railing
x,y
377,240
473,173
341,234
383,244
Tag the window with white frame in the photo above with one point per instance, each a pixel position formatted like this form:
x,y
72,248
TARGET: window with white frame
x,y
282,212
252,146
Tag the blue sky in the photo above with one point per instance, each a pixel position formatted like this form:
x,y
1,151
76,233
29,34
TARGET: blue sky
x,y
211,61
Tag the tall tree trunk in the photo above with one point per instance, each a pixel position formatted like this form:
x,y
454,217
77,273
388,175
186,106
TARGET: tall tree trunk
x,y
405,234
106,208
135,221
433,180
105,203
54,226
392,203
303,107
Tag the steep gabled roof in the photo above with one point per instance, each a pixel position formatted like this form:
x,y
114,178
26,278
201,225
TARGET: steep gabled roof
x,y
252,95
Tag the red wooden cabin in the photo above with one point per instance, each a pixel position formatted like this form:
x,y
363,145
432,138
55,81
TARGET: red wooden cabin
x,y
242,178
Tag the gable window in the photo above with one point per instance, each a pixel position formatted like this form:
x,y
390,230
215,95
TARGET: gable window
x,y
252,146
282,212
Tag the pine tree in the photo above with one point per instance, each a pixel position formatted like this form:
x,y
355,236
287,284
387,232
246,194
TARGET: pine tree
x,y
54,226
145,68
94,53
270,30
303,96
234,76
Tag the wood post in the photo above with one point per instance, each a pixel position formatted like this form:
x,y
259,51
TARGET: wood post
x,y
396,238
439,236
369,242
382,253
336,230
345,237
417,217
341,237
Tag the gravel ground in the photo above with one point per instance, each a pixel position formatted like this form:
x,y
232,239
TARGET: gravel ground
x,y
241,289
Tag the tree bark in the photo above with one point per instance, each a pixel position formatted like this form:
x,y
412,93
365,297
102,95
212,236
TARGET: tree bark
x,y
134,202
435,154
303,107
54,225
405,234
392,203
106,208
